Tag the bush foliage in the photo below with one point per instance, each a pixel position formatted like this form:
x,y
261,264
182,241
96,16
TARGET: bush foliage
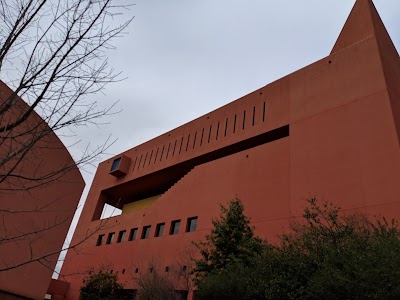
x,y
326,255
101,284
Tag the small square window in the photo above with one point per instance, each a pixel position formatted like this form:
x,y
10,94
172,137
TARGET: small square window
x,y
115,164
184,268
137,270
160,229
191,224
123,271
132,234
121,236
175,227
146,232
110,237
166,269
100,240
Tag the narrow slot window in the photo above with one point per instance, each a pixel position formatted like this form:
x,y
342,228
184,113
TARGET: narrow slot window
x,y
133,234
187,143
254,114
110,238
194,141
159,230
216,135
244,119
134,164
180,148
191,224
145,232
100,240
162,152
121,236
234,124
155,158
151,155
145,160
264,111
169,146
202,135
226,126
173,152
140,160
175,227
209,134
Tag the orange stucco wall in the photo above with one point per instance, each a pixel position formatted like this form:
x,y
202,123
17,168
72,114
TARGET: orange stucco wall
x,y
38,219
342,147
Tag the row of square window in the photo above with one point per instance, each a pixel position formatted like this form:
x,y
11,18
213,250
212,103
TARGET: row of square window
x,y
191,226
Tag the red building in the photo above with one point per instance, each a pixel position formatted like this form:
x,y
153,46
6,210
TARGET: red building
x,y
36,208
329,130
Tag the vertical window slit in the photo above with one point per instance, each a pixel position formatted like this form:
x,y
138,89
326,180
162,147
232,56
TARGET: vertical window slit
x,y
216,135
202,134
234,124
162,152
264,111
226,126
244,119
140,160
173,152
144,162
151,154
180,148
155,157
209,134
254,114
134,164
194,141
169,146
187,143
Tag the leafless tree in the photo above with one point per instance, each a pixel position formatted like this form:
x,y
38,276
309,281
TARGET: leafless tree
x,y
53,56
173,282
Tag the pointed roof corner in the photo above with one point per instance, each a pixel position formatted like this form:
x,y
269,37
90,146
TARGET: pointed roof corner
x,y
362,23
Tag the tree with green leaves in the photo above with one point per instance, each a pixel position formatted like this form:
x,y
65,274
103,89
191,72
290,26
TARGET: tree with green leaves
x,y
232,240
101,284
326,255
333,255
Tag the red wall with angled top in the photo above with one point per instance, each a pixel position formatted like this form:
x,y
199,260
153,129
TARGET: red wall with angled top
x,y
34,222
329,130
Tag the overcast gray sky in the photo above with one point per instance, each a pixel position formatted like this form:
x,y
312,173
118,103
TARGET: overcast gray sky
x,y
184,58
